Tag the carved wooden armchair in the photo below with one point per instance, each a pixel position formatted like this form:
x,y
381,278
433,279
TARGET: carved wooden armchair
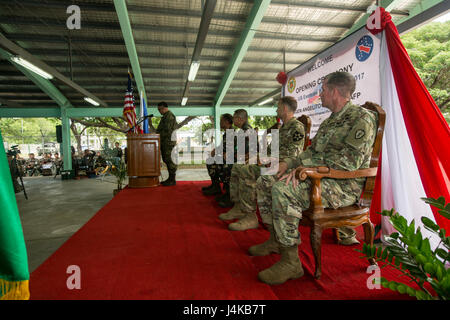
x,y
307,124
318,218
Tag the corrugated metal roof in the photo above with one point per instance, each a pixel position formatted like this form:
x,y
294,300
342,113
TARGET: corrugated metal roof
x,y
165,34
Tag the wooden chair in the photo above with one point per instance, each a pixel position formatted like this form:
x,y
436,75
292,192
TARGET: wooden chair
x,y
307,123
318,218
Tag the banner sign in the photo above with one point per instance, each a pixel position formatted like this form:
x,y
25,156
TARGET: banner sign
x,y
357,54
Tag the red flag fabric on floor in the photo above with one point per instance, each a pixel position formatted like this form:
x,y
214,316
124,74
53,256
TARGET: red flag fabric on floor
x,y
168,243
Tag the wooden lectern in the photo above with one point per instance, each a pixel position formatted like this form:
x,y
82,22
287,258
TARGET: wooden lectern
x,y
143,157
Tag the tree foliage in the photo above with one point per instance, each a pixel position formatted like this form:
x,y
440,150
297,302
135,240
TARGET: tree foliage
x,y
429,50
29,130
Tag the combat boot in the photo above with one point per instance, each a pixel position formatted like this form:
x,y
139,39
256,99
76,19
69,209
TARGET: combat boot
x,y
226,202
208,187
289,267
170,181
250,221
234,213
265,248
220,197
214,190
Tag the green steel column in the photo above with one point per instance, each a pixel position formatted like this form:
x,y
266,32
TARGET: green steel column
x,y
127,32
66,150
53,92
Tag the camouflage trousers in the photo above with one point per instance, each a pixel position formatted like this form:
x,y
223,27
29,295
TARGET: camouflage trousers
x,y
220,172
166,154
243,186
281,205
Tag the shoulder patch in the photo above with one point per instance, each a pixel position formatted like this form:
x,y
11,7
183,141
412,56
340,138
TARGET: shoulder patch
x,y
297,136
360,134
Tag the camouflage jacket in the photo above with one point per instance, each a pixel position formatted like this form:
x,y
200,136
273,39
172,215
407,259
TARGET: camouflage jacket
x,y
244,128
166,127
291,139
344,141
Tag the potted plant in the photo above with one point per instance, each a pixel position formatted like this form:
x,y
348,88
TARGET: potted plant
x,y
411,254
120,172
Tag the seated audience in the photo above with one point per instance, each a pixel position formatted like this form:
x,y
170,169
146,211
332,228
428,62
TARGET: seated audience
x,y
343,141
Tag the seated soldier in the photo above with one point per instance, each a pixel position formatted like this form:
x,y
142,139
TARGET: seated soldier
x,y
58,161
219,172
290,142
88,160
32,165
343,141
100,163
240,120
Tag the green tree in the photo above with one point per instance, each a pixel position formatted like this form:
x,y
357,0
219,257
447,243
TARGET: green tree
x,y
262,122
429,50
29,130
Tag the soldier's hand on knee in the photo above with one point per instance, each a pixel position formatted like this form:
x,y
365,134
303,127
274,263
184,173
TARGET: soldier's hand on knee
x,y
290,177
282,168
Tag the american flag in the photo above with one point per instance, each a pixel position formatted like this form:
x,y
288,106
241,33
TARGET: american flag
x,y
129,111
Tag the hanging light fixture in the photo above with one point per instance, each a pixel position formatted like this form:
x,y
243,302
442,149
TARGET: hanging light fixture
x,y
26,64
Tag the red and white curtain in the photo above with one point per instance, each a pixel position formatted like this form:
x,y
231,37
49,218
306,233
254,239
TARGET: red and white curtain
x,y
415,160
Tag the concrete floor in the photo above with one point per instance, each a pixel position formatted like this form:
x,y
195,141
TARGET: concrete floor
x,y
57,208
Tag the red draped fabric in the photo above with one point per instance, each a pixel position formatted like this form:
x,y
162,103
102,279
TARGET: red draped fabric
x,y
428,132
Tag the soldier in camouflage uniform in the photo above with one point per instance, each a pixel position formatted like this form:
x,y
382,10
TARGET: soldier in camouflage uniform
x,y
166,127
344,141
240,120
219,172
291,141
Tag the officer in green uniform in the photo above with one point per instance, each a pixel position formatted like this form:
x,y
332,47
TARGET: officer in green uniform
x,y
344,141
219,171
166,127
240,120
291,138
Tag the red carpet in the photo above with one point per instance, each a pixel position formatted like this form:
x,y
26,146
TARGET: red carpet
x,y
167,243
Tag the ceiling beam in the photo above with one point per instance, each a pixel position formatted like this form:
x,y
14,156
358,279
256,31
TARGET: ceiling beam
x,y
127,32
106,7
208,11
267,96
229,17
45,85
169,44
14,49
11,104
169,29
422,13
63,53
258,10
